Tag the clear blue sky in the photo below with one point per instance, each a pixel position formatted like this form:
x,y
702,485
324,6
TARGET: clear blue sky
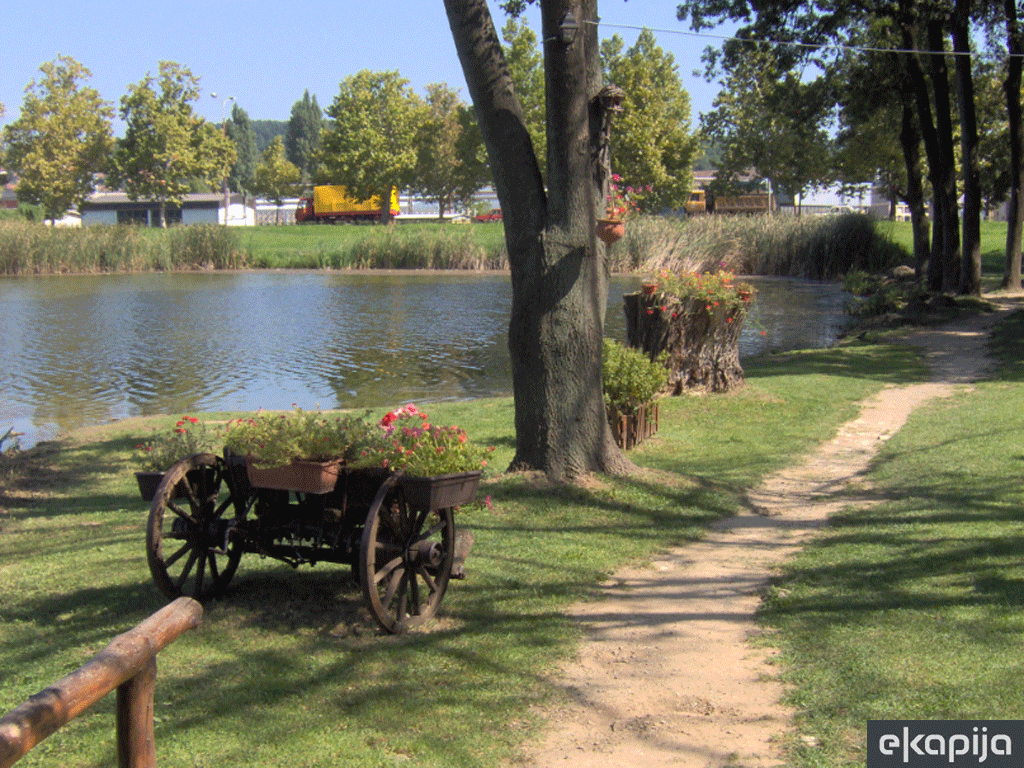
x,y
266,53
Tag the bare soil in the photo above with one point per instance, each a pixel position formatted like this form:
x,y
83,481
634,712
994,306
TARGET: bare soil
x,y
668,674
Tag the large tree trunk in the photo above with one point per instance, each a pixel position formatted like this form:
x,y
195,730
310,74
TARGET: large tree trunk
x,y
946,191
929,135
970,263
558,272
910,143
1015,220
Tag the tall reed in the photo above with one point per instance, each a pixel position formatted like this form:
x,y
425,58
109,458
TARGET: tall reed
x,y
811,247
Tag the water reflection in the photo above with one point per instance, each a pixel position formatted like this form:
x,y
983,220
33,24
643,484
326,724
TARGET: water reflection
x,y
81,350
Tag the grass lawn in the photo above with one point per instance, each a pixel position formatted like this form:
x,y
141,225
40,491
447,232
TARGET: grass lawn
x,y
278,674
315,246
912,609
993,247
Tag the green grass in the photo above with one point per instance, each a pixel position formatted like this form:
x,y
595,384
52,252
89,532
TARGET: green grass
x,y
993,246
912,608
287,657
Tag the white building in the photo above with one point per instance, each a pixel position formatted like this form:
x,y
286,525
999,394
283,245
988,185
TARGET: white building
x,y
199,208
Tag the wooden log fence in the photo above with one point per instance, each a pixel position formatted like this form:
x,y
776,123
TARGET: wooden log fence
x,y
128,664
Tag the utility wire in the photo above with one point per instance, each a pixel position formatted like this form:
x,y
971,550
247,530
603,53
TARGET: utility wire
x,y
790,43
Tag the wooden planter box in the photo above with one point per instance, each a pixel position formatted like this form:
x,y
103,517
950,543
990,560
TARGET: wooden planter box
x,y
440,491
299,476
631,429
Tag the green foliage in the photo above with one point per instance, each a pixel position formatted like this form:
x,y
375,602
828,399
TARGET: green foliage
x,y
275,439
714,289
773,121
370,144
240,131
408,441
302,136
164,448
166,144
653,145
61,139
275,177
447,162
630,378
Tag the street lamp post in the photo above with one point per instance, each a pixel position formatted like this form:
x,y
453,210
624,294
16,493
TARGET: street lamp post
x,y
224,132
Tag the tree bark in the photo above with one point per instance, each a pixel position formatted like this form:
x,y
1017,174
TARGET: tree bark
x,y
946,191
910,143
1015,220
702,344
558,271
970,262
939,167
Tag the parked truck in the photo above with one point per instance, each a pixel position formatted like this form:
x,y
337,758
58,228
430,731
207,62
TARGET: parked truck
x,y
701,202
332,204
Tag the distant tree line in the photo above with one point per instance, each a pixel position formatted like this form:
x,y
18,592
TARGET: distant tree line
x,y
376,134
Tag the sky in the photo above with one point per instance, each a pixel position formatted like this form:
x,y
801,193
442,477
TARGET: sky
x,y
265,54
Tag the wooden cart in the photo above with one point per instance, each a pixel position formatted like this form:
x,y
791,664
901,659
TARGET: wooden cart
x,y
397,532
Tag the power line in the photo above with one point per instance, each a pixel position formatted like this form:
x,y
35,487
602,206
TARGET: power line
x,y
788,43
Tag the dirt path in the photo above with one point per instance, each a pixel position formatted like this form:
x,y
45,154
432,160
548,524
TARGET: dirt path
x,y
667,675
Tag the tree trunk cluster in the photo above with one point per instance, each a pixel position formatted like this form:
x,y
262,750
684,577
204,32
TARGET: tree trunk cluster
x,y
700,343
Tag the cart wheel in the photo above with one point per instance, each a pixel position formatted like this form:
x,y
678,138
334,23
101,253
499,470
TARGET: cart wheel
x,y
405,560
188,544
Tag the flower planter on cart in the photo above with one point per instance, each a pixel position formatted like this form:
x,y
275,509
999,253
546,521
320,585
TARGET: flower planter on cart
x,y
396,532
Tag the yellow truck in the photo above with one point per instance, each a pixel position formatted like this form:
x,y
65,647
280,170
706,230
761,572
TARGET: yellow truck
x,y
332,204
700,203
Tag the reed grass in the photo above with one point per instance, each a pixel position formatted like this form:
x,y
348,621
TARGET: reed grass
x,y
815,248
34,249
819,248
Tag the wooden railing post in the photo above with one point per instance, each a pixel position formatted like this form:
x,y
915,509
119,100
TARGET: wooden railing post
x,y
128,663
136,742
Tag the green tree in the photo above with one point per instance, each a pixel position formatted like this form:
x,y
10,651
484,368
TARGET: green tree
x,y
240,130
526,68
61,138
166,145
445,157
653,145
370,144
771,121
302,139
558,267
276,177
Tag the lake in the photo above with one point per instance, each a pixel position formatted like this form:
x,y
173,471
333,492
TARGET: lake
x,y
82,350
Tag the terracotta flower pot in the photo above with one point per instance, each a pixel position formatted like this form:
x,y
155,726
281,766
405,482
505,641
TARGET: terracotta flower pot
x,y
610,230
649,288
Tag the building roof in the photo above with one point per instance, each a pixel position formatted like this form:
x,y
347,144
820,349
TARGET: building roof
x,y
110,200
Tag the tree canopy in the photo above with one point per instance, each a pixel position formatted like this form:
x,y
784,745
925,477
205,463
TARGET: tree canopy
x,y
302,138
653,145
242,134
369,146
276,177
61,139
166,145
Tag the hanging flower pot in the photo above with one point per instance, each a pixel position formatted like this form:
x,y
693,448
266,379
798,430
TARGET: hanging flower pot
x,y
610,230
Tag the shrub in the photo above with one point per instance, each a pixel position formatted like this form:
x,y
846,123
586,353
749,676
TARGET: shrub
x,y
630,378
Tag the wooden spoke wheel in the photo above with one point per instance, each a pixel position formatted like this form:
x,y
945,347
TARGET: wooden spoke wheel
x,y
405,560
189,540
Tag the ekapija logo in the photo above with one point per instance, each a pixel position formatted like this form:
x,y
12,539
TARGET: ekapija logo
x,y
926,743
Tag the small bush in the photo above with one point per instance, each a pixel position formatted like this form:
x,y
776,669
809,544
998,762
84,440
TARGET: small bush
x,y
630,378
